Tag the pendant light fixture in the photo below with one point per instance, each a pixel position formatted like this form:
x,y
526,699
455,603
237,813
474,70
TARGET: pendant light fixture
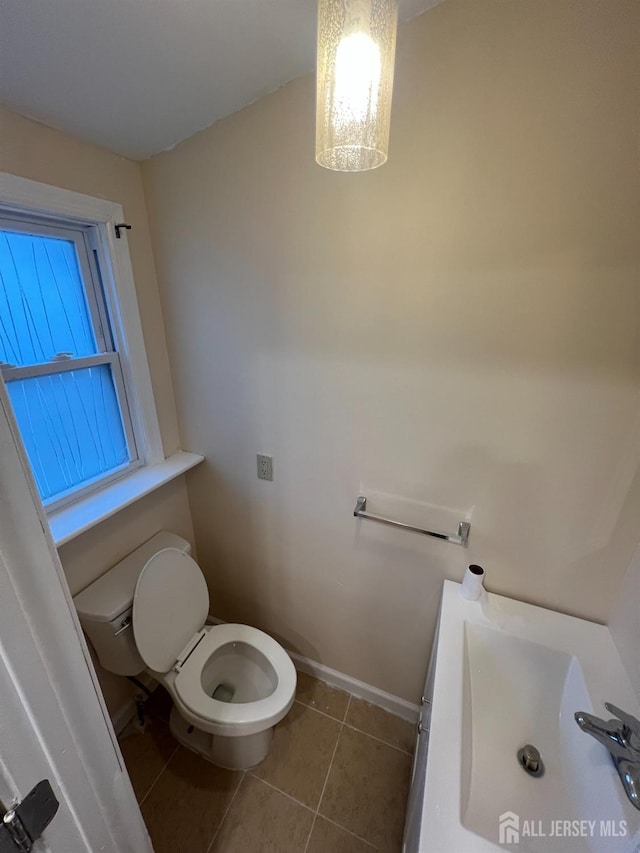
x,y
356,52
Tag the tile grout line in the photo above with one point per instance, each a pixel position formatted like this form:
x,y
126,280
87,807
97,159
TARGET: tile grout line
x,y
226,812
326,778
313,823
355,728
152,785
348,831
379,740
280,791
318,711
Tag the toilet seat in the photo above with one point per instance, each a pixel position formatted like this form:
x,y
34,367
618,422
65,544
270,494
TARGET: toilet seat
x,y
225,717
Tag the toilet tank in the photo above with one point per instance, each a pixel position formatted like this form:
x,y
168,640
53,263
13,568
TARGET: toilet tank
x,y
105,607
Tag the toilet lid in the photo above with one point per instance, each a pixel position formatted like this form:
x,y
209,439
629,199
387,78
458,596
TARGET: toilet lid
x,y
170,605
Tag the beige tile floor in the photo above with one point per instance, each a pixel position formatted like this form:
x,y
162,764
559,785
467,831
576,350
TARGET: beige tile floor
x,y
335,781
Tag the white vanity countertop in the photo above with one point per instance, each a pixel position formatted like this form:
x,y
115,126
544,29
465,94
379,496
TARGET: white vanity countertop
x,y
599,676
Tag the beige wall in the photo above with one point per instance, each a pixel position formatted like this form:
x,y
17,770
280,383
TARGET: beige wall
x,y
458,328
33,151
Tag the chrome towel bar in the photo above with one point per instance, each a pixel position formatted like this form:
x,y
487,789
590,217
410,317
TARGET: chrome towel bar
x,y
463,527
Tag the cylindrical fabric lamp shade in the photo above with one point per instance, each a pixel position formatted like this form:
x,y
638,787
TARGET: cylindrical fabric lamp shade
x,y
356,53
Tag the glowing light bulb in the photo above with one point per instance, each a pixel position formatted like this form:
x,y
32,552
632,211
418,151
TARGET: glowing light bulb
x,y
357,74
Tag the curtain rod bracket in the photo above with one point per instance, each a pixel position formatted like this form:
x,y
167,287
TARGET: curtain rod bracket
x,y
121,225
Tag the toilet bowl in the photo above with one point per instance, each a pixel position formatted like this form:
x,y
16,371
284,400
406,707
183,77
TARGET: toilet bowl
x,y
230,684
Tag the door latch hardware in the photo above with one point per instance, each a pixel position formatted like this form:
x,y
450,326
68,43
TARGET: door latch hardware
x,y
23,824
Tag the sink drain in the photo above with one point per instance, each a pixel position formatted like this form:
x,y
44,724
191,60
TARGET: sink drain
x,y
530,760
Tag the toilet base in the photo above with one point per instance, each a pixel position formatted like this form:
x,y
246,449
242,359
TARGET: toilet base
x,y
232,753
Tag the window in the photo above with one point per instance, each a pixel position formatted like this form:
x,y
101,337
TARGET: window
x,y
75,367
61,360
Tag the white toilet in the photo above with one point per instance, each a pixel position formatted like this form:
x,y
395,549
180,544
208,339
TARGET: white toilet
x,y
230,684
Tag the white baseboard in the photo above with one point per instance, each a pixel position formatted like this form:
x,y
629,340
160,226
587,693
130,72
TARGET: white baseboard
x,y
387,701
123,715
393,704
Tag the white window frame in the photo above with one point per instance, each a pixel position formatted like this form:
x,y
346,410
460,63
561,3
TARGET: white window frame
x,y
27,198
108,346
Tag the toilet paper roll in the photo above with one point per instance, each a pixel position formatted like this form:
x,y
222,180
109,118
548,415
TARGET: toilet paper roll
x,y
472,583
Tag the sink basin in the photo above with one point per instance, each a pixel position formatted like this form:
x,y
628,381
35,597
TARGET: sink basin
x,y
507,674
519,692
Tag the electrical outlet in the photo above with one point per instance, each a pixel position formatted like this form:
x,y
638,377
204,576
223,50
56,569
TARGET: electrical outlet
x,y
265,467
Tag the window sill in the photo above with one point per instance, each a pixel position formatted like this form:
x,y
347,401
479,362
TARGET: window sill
x,y
67,523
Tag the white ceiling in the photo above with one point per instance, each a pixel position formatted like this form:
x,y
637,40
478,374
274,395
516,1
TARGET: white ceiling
x,y
139,76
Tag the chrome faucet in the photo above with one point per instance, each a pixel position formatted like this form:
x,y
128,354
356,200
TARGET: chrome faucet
x,y
622,738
